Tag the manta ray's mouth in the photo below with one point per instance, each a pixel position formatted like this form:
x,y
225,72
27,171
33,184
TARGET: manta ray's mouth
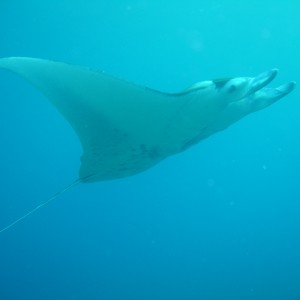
x,y
261,81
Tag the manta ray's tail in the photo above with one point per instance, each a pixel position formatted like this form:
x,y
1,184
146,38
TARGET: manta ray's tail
x,y
76,182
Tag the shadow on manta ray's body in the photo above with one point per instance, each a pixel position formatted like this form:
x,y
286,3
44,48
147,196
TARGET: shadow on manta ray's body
x,y
124,128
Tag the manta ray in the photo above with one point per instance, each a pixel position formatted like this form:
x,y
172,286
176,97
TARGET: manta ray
x,y
125,128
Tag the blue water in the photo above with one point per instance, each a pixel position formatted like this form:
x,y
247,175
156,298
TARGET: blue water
x,y
220,221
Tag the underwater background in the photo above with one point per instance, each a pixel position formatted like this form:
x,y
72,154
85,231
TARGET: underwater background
x,y
220,221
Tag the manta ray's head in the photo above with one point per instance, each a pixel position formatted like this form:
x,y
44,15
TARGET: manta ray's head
x,y
251,93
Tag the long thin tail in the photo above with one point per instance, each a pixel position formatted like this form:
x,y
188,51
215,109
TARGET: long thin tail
x,y
76,182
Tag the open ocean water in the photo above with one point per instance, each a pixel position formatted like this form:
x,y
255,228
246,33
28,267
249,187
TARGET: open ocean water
x,y
220,221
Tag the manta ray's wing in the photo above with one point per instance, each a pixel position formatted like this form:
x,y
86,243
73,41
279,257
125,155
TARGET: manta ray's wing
x,y
120,125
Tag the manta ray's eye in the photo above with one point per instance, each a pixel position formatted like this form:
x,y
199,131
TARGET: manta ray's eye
x,y
232,88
